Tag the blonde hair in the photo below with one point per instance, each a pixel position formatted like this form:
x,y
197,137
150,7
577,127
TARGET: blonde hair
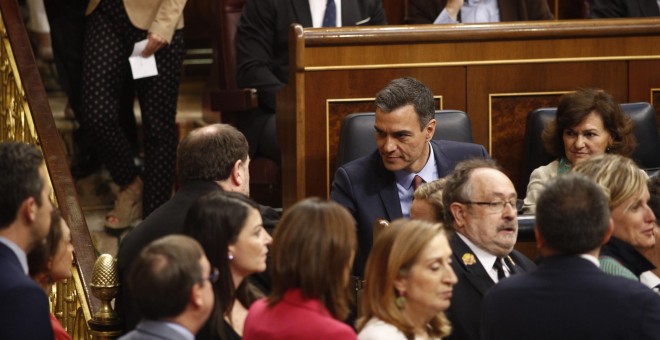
x,y
393,254
432,193
618,176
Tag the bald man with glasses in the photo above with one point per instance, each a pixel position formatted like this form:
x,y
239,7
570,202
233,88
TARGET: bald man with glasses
x,y
480,207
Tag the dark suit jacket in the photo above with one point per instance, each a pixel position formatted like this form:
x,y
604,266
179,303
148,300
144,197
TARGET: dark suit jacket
x,y
425,11
368,190
568,297
473,283
23,304
294,318
262,40
168,219
624,8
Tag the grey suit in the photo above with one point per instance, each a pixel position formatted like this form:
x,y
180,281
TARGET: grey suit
x,y
155,330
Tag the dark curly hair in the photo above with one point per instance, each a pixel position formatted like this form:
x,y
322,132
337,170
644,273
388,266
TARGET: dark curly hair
x,y
575,107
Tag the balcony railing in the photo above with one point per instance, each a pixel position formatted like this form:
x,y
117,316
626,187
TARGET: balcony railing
x,y
25,115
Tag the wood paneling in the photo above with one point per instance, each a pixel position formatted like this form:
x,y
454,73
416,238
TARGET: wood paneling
x,y
494,72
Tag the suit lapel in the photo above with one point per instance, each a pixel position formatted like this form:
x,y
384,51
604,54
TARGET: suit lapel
x,y
387,192
508,12
441,161
469,264
649,8
302,13
350,12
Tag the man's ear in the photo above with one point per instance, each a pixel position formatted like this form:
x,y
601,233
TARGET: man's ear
x,y
609,232
459,213
430,129
540,241
237,176
28,210
196,294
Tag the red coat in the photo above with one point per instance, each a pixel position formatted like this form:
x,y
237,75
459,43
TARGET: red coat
x,y
294,318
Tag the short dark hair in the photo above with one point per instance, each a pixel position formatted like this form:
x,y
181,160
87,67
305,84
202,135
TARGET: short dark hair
x,y
19,178
457,187
312,249
38,257
215,220
209,153
574,107
403,91
164,274
654,201
572,214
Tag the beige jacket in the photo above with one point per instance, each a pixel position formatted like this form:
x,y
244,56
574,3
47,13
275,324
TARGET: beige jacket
x,y
161,17
537,180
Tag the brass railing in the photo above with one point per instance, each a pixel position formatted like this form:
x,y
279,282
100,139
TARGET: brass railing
x,y
25,115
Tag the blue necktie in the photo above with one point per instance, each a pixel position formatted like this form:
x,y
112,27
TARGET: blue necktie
x,y
330,16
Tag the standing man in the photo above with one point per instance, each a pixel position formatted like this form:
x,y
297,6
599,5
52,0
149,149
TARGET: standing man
x,y
211,158
480,205
569,296
173,284
25,210
262,53
381,185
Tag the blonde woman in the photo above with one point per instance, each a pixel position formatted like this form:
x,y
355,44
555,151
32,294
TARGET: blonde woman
x,y
409,283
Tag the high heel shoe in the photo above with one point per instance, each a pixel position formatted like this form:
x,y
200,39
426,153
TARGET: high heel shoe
x,y
127,210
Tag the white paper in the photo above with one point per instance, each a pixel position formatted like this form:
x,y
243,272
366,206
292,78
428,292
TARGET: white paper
x,y
140,66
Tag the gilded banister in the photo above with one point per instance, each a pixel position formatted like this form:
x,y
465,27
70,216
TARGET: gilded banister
x,y
25,115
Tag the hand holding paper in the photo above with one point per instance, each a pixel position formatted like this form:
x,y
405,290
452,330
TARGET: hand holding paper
x,y
142,67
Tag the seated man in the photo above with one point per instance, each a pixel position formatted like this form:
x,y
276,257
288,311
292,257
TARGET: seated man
x,y
25,210
480,206
262,53
172,282
455,11
568,296
624,8
381,185
210,158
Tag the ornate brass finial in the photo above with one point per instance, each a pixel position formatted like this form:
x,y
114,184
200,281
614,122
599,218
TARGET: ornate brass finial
x,y
105,286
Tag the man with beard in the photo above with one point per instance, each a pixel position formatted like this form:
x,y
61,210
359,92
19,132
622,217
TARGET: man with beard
x,y
480,207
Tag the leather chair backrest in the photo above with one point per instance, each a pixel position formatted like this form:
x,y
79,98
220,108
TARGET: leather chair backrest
x,y
645,129
357,134
228,13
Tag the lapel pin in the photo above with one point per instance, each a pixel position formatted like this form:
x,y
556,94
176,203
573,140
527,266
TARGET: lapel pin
x,y
468,259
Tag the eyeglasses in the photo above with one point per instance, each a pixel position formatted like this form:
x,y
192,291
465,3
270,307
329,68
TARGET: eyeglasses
x,y
214,276
495,206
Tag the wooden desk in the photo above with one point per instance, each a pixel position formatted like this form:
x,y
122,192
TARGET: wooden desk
x,y
496,73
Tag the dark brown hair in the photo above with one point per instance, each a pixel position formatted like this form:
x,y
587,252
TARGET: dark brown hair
x,y
575,107
312,250
39,255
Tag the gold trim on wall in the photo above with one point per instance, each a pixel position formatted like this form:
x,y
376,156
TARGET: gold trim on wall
x,y
477,63
653,89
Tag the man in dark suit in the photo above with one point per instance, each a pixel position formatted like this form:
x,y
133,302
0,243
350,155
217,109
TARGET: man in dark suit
x,y
381,185
262,53
480,207
173,284
624,8
568,296
25,210
452,11
214,157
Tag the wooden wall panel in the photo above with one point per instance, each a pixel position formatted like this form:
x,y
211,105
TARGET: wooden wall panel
x,y
496,73
500,96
